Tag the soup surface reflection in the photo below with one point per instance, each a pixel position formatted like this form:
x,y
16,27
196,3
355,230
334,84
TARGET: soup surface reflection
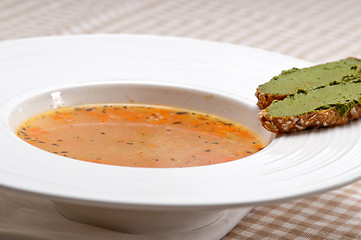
x,y
139,135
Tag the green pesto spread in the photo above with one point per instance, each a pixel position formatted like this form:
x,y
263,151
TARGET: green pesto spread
x,y
341,96
294,80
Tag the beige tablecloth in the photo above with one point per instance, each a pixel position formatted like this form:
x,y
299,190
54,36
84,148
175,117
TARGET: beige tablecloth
x,y
316,31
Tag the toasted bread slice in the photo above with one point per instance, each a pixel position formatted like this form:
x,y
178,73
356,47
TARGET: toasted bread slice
x,y
296,80
321,107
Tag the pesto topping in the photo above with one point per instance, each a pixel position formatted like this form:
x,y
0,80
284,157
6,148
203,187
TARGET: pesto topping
x,y
341,96
294,80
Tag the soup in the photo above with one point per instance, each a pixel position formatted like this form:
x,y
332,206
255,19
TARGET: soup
x,y
139,135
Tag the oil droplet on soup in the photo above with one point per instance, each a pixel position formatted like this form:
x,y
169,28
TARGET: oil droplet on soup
x,y
140,136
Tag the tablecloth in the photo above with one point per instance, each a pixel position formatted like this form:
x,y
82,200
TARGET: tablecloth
x,y
317,31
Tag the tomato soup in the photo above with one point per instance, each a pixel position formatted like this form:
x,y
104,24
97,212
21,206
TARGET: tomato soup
x,y
139,136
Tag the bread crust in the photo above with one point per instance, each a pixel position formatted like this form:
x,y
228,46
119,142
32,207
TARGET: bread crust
x,y
265,99
322,118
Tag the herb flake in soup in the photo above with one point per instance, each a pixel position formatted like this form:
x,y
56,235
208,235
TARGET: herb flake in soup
x,y
139,135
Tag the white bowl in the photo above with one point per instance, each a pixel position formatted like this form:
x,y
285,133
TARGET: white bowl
x,y
159,201
116,211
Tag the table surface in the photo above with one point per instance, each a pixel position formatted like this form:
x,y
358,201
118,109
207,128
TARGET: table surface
x,y
317,31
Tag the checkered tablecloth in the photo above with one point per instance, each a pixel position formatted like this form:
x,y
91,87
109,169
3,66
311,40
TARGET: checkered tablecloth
x,y
316,31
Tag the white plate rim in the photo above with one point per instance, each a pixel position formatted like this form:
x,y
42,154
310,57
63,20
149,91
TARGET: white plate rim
x,y
277,187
